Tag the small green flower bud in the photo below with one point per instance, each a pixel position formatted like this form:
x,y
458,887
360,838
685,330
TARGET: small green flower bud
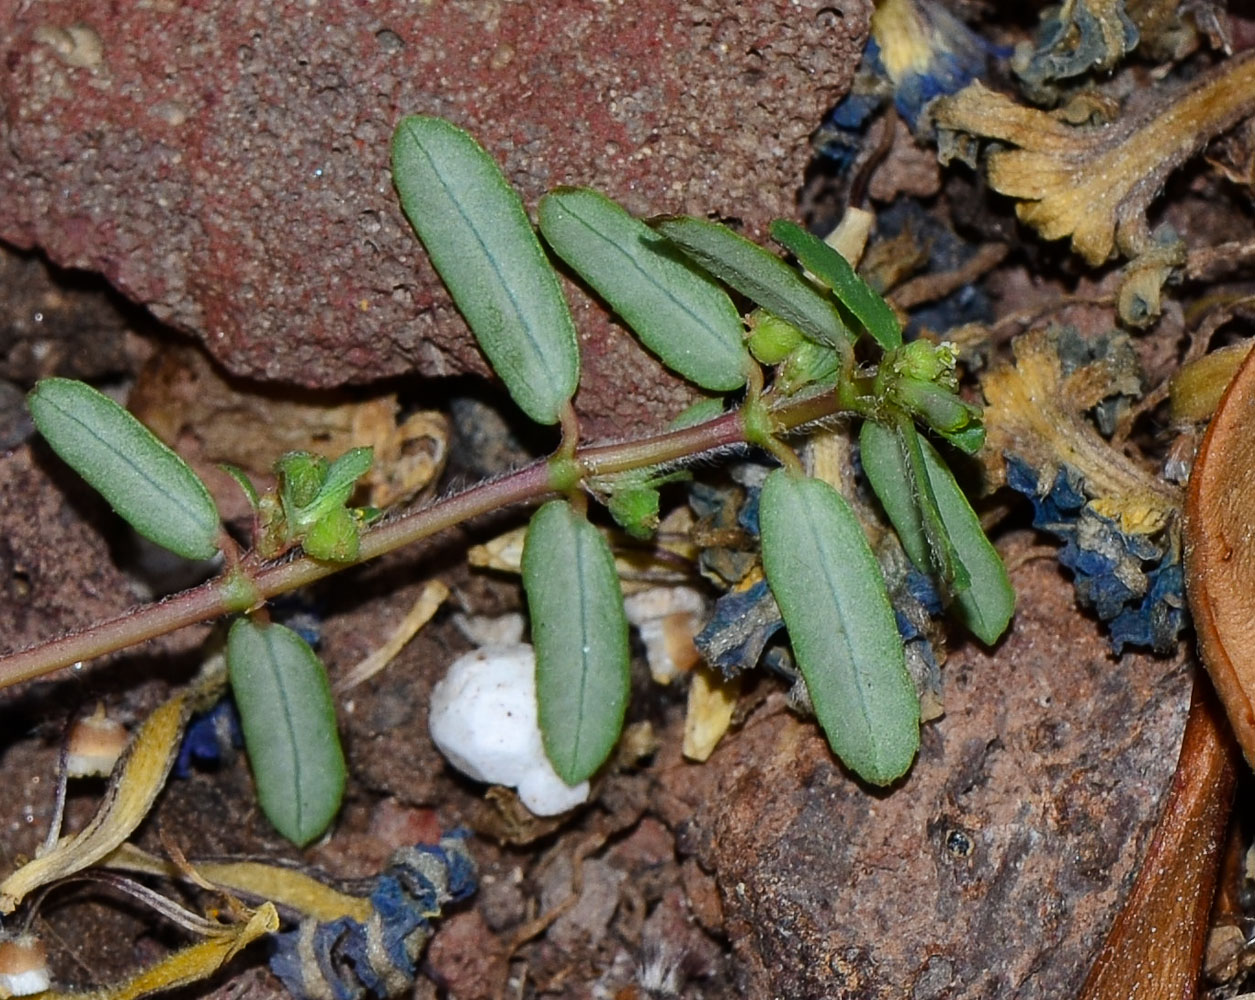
x,y
772,339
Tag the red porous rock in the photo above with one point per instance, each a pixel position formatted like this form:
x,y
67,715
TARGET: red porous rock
x,y
226,164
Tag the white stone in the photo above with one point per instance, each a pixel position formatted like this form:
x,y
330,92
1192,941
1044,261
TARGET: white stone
x,y
483,719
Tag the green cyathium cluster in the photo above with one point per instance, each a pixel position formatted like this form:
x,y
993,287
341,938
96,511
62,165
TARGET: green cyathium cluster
x,y
800,355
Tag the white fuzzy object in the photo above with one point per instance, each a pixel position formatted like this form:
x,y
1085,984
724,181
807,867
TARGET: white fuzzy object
x,y
483,719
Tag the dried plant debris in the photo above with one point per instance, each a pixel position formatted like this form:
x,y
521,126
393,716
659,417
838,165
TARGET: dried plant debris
x,y
188,965
185,400
931,271
1094,183
1119,523
1074,38
1170,29
1139,300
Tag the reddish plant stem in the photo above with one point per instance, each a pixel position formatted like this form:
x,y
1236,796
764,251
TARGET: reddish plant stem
x,y
220,596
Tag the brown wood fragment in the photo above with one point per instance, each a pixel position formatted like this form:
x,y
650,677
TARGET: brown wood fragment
x,y
1155,948
1220,553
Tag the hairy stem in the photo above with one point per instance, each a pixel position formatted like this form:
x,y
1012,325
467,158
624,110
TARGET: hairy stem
x,y
222,595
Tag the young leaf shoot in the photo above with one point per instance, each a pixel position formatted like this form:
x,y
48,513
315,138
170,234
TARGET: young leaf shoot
x,y
678,312
986,606
289,725
153,489
580,633
480,241
835,271
841,626
760,276
314,493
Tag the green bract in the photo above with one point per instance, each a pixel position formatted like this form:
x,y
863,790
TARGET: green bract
x,y
336,536
480,241
987,604
835,271
579,630
679,313
841,626
144,481
759,275
809,363
343,475
289,725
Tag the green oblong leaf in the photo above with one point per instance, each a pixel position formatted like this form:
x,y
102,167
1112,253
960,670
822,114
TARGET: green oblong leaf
x,y
579,630
947,564
986,606
833,601
289,725
477,234
759,275
678,313
835,271
153,489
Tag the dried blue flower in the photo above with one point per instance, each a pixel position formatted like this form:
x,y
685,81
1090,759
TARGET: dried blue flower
x,y
1133,582
347,959
1117,521
741,625
1074,38
917,51
210,738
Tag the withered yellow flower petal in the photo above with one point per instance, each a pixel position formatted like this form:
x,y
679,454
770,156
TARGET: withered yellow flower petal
x,y
291,888
188,965
1037,413
1094,183
137,778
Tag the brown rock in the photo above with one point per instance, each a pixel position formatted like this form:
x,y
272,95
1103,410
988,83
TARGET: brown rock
x,y
226,164
466,958
994,869
57,323
56,572
702,892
